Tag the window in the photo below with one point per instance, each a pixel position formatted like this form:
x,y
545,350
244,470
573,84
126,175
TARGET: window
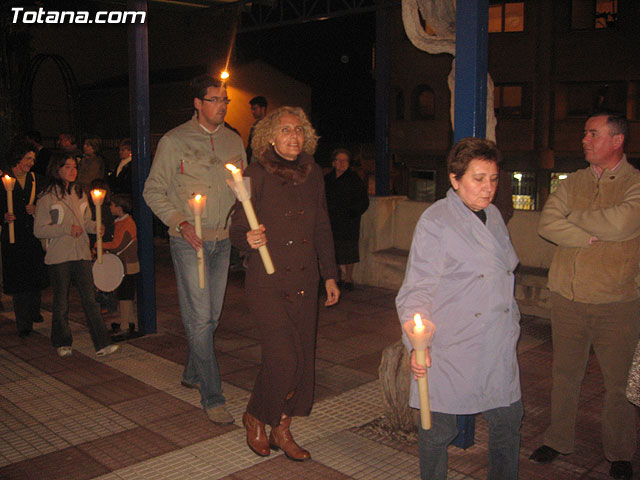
x,y
506,17
556,178
423,103
511,100
594,14
585,98
523,189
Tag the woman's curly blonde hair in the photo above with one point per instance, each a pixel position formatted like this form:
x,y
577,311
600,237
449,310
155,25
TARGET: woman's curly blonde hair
x,y
267,128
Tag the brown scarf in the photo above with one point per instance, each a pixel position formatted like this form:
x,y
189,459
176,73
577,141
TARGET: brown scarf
x,y
296,172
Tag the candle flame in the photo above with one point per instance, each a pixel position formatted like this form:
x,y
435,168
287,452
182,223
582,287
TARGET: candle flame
x,y
231,167
417,319
97,193
198,197
224,75
7,177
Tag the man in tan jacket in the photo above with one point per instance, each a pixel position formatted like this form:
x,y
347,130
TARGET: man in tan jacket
x,y
594,218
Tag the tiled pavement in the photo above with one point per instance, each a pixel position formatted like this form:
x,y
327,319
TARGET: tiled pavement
x,y
128,417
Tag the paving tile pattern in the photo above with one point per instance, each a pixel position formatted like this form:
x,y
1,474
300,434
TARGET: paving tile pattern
x,y
126,416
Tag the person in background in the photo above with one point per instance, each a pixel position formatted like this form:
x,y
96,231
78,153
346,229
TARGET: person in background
x,y
594,218
460,277
120,178
63,218
24,273
347,200
125,245
91,166
67,143
259,111
288,194
42,154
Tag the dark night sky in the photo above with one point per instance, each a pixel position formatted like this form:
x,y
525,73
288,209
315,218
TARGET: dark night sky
x,y
334,57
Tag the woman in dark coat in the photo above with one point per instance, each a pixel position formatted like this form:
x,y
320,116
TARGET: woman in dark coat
x,y
287,192
347,200
23,274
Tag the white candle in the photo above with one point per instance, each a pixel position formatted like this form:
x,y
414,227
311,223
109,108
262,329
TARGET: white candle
x,y
243,196
9,183
420,334
97,195
197,204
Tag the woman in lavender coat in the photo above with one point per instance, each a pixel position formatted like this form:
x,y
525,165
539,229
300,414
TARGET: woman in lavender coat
x,y
460,277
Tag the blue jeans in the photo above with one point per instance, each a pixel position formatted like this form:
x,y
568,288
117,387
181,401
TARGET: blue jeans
x,y
504,443
200,310
61,275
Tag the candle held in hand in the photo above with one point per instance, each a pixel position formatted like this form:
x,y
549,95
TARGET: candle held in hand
x,y
420,334
9,183
197,204
243,197
97,195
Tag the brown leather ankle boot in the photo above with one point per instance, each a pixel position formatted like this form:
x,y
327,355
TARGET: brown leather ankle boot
x,y
280,437
256,435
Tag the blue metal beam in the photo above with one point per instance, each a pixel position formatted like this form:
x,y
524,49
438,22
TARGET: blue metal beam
x,y
382,73
472,39
141,151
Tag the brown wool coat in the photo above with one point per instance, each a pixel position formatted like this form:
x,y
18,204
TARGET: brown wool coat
x,y
290,202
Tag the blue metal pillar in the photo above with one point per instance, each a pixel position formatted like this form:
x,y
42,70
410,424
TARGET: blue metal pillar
x,y
472,39
382,73
141,150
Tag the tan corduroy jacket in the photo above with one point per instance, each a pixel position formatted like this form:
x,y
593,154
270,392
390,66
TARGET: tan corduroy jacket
x,y
585,206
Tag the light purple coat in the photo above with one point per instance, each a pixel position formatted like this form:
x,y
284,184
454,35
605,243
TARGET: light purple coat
x,y
460,276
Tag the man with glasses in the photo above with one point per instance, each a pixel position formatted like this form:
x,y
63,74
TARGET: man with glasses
x,y
190,160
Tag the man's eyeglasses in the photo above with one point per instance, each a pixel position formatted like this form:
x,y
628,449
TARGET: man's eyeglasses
x,y
216,100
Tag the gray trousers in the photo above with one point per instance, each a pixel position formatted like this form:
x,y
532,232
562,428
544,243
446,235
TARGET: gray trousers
x,y
504,443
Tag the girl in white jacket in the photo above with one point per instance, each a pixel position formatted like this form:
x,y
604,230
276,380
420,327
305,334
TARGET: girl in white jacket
x,y
63,219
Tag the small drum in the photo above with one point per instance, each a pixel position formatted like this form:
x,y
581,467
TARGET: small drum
x,y
108,275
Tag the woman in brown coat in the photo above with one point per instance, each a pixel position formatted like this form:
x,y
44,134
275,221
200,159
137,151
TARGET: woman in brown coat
x,y
287,191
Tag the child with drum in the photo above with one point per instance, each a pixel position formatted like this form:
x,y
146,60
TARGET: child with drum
x,y
125,246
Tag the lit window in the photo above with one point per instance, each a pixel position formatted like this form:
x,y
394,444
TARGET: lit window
x,y
510,100
590,14
424,103
506,17
523,190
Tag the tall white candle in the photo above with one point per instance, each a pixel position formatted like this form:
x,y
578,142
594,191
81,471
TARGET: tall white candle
x,y
9,183
244,198
97,195
420,334
197,204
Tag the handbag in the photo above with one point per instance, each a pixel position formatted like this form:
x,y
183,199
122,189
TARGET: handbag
x,y
633,384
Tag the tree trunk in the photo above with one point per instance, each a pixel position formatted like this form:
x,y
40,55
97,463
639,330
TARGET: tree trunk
x,y
395,379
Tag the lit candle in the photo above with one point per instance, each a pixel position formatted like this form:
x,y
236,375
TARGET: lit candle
x,y
243,196
420,334
9,183
197,204
97,195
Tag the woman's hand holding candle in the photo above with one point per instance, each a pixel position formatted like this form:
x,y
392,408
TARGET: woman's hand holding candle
x,y
257,238
420,334
9,183
243,196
